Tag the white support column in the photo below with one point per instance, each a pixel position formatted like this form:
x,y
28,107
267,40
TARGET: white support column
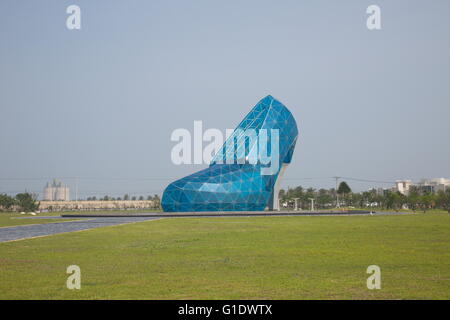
x,y
312,203
296,204
274,204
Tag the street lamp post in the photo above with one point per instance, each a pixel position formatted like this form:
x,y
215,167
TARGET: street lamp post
x,y
337,195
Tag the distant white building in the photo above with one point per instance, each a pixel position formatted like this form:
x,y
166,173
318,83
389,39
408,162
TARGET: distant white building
x,y
434,185
425,185
56,192
403,186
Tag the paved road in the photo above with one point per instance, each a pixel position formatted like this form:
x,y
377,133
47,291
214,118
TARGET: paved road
x,y
39,230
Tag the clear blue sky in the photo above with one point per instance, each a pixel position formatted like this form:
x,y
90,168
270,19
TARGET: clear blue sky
x,y
100,103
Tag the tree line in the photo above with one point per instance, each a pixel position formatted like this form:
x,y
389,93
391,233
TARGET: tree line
x,y
22,201
27,202
416,199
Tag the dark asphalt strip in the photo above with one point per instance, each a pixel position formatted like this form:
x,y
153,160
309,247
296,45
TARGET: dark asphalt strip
x,y
46,229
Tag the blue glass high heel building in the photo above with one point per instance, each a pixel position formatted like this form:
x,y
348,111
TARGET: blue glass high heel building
x,y
240,177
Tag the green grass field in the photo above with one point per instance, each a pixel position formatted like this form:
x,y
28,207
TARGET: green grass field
x,y
237,258
15,219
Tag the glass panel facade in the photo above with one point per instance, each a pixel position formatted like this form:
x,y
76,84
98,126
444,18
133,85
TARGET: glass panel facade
x,y
241,185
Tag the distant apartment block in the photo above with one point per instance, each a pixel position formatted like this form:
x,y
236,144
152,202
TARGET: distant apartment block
x,y
56,191
403,186
423,186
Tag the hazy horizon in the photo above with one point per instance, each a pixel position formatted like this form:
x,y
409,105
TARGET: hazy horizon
x,y
100,103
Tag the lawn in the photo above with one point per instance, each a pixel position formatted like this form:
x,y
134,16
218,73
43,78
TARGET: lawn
x,y
322,257
15,219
